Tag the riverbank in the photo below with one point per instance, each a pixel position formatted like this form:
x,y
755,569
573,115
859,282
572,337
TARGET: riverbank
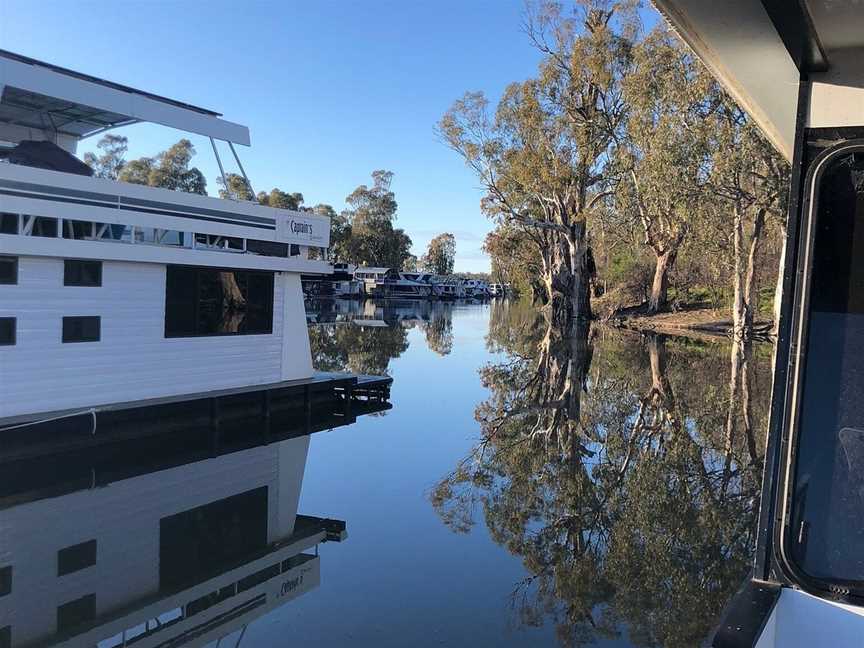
x,y
714,322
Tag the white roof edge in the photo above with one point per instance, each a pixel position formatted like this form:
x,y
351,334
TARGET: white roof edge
x,y
741,48
142,107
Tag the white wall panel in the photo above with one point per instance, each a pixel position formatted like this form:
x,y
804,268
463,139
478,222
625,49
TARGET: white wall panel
x,y
133,360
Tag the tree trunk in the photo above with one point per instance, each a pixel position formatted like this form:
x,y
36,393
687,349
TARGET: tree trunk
x,y
778,287
580,290
744,274
658,300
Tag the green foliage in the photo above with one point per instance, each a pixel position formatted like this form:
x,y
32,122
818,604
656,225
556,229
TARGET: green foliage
x,y
169,170
112,157
440,256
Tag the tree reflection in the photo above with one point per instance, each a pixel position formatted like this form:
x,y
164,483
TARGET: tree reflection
x,y
356,348
624,471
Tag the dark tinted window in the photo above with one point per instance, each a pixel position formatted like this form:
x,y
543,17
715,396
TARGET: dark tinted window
x,y
81,329
72,614
826,536
267,248
203,301
7,331
8,270
8,223
76,557
82,273
6,637
210,539
44,227
5,580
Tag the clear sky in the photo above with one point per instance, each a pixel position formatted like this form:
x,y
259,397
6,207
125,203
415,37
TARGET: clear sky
x,y
331,90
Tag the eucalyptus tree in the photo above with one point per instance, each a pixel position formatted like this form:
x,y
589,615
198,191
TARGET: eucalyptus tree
x,y
544,159
169,169
749,182
440,255
665,151
111,157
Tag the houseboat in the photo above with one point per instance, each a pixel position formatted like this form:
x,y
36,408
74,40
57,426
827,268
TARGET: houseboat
x,y
113,292
796,68
340,284
388,283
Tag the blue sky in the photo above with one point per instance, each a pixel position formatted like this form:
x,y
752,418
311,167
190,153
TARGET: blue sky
x,y
331,90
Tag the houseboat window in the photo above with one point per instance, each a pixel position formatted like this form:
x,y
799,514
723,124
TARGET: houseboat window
x,y
203,541
75,613
6,637
7,338
294,250
826,538
82,273
8,270
79,230
8,223
5,580
107,232
42,226
267,248
205,301
76,557
218,242
82,329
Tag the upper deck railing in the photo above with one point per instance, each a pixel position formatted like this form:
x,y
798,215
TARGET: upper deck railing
x,y
39,204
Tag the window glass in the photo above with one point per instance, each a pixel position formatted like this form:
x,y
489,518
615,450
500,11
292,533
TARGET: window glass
x,y
81,329
7,331
6,637
203,541
76,557
267,248
43,226
75,613
8,223
827,537
5,580
8,270
82,273
80,230
204,301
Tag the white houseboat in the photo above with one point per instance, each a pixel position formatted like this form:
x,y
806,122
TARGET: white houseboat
x,y
796,68
113,292
389,283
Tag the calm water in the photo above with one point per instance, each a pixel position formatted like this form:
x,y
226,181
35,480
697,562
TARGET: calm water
x,y
527,488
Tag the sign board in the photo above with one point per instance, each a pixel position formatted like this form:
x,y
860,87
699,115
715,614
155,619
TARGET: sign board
x,y
294,227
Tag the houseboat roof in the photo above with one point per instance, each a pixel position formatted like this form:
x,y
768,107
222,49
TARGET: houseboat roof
x,y
39,96
371,269
760,49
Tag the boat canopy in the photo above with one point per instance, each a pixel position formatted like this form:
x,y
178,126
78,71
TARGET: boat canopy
x,y
41,101
760,49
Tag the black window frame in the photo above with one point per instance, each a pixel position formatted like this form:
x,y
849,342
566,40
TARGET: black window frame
x,y
76,557
4,258
266,310
786,532
69,321
74,273
14,339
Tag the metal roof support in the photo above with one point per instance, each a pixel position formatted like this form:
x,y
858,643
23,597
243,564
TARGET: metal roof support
x,y
221,170
245,177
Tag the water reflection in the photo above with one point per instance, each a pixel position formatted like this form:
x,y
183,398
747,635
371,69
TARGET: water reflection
x,y
166,540
364,335
623,469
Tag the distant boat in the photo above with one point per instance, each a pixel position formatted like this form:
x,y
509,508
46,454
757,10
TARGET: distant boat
x,y
387,283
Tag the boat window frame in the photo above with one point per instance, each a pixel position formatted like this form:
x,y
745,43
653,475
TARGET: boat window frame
x,y
797,362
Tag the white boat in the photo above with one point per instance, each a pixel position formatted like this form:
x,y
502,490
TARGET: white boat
x,y
476,288
114,292
388,283
796,68
496,290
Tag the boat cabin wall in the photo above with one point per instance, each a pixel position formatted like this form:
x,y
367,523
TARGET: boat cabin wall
x,y
133,359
